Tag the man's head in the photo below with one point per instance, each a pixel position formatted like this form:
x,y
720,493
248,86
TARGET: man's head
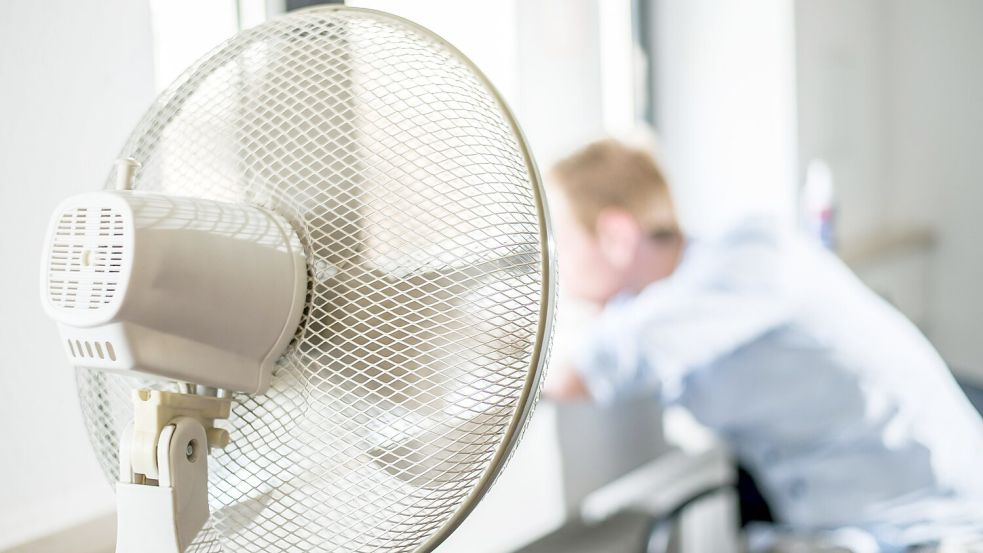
x,y
615,221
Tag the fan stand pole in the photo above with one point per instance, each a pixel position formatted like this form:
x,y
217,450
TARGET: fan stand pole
x,y
162,495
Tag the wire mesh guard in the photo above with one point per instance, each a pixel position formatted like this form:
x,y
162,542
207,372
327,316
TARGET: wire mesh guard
x,y
430,295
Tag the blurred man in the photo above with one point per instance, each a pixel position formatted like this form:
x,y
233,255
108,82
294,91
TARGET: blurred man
x,y
844,413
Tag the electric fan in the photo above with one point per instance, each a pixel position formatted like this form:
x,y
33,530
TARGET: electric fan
x,y
311,311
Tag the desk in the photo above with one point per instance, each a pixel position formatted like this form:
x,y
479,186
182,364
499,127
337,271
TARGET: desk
x,y
569,450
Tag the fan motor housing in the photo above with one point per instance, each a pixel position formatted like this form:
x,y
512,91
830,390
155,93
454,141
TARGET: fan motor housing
x,y
177,288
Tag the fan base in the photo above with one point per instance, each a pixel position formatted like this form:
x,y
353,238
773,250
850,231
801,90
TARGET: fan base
x,y
162,496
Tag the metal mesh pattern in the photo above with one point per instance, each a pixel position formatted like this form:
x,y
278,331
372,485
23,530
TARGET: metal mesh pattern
x,y
430,295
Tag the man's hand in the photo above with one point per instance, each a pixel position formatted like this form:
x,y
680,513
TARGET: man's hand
x,y
563,383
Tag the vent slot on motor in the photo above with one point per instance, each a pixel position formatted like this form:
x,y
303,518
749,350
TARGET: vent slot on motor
x,y
92,350
86,258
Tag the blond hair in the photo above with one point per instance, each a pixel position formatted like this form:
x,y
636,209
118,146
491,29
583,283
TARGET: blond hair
x,y
609,173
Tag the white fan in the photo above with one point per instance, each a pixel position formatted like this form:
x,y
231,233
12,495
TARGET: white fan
x,y
323,271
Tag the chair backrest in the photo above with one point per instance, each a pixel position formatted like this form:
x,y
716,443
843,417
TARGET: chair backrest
x,y
600,444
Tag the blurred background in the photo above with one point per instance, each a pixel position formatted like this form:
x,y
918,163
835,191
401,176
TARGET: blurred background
x,y
858,120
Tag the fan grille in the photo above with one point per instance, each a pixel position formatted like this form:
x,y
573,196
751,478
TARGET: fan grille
x,y
430,292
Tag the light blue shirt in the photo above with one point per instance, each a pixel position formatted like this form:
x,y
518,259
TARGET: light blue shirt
x,y
839,406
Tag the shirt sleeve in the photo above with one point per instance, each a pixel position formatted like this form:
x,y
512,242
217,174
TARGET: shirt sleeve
x,y
719,299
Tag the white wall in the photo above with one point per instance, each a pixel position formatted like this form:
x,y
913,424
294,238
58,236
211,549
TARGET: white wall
x,y
725,107
889,94
74,77
841,66
935,87
180,38
559,75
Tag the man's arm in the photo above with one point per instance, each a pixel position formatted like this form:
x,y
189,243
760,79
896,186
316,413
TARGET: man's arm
x,y
726,297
